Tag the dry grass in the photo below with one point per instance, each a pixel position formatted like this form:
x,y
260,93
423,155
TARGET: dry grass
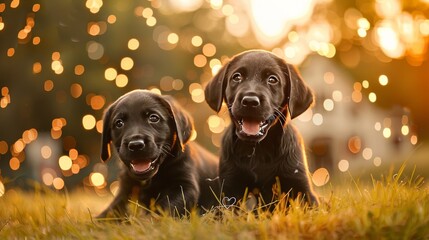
x,y
393,207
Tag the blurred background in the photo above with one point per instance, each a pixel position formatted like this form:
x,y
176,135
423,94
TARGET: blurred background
x,y
63,62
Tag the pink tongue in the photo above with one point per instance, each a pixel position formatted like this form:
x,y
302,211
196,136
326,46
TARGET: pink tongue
x,y
250,127
141,166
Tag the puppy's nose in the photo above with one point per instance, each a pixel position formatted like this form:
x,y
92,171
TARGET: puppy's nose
x,y
136,145
250,101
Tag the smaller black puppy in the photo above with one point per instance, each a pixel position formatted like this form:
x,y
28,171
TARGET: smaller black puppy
x,y
150,133
261,150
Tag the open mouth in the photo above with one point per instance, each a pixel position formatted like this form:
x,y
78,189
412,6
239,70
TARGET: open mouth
x,y
141,166
254,129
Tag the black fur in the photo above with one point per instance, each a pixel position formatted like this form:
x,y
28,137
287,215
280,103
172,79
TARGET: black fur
x,y
145,127
257,86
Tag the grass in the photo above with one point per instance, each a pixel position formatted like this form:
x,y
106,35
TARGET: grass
x,y
392,207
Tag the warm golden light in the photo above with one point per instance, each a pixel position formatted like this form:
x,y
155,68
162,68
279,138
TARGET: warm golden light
x,y
93,29
405,130
357,96
3,147
151,21
127,63
14,163
173,38
367,153
97,179
121,80
73,154
413,139
47,178
76,90
200,60
383,80
178,84
88,122
56,134
36,40
37,67
337,96
343,165
198,95
48,85
133,44
65,163
94,5
147,13
216,124
58,183
320,177
354,144
36,7
2,189
79,70
18,146
196,41
377,161
75,169
328,104
317,119
372,97
209,50
110,74
111,19
10,52
46,152
387,132
329,78
99,126
97,102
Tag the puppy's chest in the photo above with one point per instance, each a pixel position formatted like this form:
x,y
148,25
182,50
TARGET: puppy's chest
x,y
261,165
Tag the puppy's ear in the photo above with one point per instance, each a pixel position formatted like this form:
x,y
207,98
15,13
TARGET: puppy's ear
x,y
183,121
215,89
106,136
300,95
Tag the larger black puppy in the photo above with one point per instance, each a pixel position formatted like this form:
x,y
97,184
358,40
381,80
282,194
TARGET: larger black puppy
x,y
150,133
260,148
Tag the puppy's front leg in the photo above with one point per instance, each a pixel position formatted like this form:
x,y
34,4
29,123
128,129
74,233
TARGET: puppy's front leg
x,y
233,188
119,204
178,200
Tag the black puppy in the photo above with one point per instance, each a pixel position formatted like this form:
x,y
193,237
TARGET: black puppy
x,y
150,133
261,150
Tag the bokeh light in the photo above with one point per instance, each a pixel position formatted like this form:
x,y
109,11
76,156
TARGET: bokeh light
x,y
320,177
88,122
97,179
65,163
343,165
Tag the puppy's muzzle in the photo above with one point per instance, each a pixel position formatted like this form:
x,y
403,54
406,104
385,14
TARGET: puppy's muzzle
x,y
250,101
136,145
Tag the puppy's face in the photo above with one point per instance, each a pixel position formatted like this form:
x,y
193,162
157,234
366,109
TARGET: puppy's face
x,y
142,128
258,88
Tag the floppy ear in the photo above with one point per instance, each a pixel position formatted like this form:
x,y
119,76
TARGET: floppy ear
x,y
215,89
300,95
106,136
183,121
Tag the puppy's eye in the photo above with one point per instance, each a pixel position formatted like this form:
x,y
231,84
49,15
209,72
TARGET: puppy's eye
x,y
273,80
119,123
154,118
236,77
